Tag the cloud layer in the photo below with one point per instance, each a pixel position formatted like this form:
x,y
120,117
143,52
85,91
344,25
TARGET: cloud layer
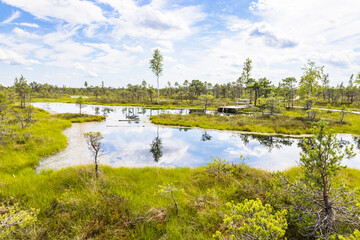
x,y
113,40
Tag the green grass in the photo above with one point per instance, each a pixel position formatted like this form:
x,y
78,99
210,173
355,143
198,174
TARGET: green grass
x,y
123,203
292,122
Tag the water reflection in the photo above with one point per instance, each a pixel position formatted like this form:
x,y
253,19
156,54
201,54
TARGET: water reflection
x,y
131,141
357,142
268,142
97,110
105,111
156,147
341,141
206,136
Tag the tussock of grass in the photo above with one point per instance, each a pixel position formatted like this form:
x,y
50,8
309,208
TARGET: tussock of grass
x,y
77,118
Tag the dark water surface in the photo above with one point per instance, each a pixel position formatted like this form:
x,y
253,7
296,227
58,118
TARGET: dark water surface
x,y
131,140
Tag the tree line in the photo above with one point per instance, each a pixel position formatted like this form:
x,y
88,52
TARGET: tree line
x,y
312,88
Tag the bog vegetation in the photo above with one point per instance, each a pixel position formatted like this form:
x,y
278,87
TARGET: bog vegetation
x,y
319,199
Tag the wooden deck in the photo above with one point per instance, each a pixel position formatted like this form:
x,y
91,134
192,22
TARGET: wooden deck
x,y
232,109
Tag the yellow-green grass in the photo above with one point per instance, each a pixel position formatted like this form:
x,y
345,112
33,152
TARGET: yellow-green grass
x,y
292,122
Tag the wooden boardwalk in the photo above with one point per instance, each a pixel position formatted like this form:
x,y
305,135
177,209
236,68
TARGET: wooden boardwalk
x,y
239,104
230,109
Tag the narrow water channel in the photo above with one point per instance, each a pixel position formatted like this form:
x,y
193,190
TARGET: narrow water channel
x,y
130,140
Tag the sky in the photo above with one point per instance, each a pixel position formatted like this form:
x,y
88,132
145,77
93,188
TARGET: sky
x,y
68,42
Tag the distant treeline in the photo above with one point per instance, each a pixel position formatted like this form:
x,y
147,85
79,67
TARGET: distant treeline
x,y
313,87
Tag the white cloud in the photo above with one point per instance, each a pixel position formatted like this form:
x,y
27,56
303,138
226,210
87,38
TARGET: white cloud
x,y
13,16
13,58
234,23
89,73
32,25
166,46
72,11
153,20
79,66
24,34
92,74
135,49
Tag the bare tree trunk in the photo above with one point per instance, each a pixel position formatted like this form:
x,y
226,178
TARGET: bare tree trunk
x,y
175,203
96,165
157,78
328,208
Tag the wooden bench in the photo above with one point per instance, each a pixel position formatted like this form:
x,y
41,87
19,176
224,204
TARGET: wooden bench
x,y
244,102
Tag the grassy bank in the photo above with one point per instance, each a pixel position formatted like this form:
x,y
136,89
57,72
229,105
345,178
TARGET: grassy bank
x,y
42,138
294,122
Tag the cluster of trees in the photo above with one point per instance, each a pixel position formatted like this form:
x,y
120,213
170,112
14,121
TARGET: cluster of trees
x,y
13,118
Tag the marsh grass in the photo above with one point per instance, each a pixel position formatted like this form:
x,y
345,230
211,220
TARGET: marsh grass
x,y
292,122
123,202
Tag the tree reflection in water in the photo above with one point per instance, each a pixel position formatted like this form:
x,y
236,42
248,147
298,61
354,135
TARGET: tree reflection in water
x,y
357,142
269,142
205,136
97,110
106,111
130,115
342,142
156,147
183,129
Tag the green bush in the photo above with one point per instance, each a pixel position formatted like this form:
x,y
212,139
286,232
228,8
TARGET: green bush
x,y
252,220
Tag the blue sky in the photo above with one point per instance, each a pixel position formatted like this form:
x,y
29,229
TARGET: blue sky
x,y
69,42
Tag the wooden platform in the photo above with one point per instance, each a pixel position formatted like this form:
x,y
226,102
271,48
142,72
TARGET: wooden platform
x,y
232,109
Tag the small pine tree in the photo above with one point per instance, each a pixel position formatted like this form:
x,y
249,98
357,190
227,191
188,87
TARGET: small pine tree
x,y
253,220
